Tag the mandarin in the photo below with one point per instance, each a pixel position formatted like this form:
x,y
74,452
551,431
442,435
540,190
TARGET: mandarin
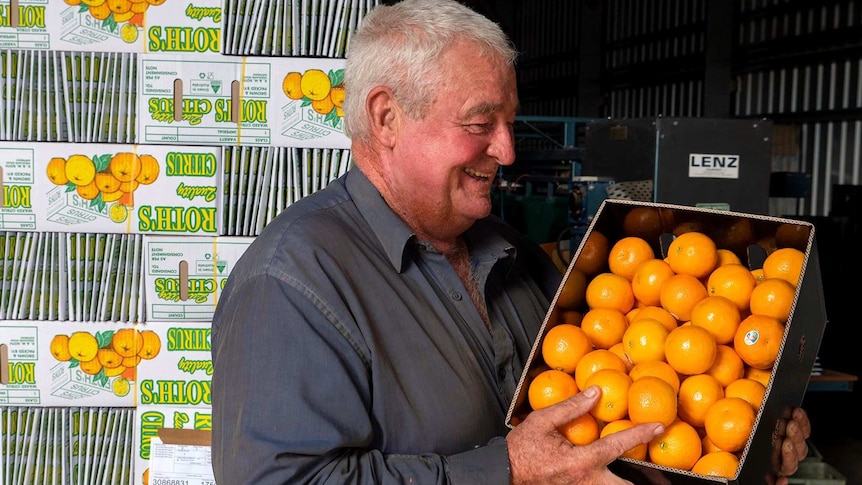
x,y
564,345
627,254
692,253
707,445
593,257
639,452
618,350
760,375
657,313
758,275
726,256
648,279
594,361
608,290
784,263
729,422
758,340
656,368
719,316
550,387
728,366
680,293
773,297
572,293
604,327
690,349
750,390
645,340
582,430
696,394
647,222
717,464
652,400
613,403
678,447
733,281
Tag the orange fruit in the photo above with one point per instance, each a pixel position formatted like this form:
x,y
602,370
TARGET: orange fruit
x,y
784,263
680,293
550,387
582,430
608,290
613,403
572,317
630,315
593,257
733,281
690,350
572,293
726,256
760,375
618,350
595,361
758,275
657,313
728,366
758,339
729,422
717,464
604,327
750,390
647,222
564,345
696,394
692,253
678,447
773,297
627,254
639,452
707,445
656,368
648,279
719,316
645,340
652,400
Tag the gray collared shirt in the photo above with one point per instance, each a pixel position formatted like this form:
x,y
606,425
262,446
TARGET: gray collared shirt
x,y
346,351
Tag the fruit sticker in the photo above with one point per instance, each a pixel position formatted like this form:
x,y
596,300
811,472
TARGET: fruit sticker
x,y
324,92
127,16
105,179
110,357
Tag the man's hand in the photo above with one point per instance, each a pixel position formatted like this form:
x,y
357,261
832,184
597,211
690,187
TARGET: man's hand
x,y
539,453
794,448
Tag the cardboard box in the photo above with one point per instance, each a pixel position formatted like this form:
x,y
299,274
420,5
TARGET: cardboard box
x,y
45,370
158,426
73,187
230,100
190,294
134,27
749,236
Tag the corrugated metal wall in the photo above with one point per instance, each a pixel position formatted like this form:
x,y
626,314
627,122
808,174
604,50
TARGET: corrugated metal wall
x,y
798,63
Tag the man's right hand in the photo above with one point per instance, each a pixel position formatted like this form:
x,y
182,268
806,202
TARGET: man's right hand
x,y
540,454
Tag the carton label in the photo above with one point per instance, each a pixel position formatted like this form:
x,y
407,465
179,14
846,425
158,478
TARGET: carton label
x,y
231,100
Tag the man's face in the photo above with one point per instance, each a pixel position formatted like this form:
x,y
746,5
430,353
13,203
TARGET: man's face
x,y
444,164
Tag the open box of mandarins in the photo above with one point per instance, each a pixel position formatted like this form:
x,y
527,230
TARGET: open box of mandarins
x,y
708,321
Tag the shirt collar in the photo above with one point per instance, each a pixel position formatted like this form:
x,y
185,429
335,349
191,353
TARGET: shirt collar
x,y
394,236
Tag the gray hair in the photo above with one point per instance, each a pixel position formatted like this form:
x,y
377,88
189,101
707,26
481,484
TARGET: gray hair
x,y
399,46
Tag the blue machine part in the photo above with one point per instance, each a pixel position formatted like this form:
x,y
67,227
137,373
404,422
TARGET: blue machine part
x,y
586,196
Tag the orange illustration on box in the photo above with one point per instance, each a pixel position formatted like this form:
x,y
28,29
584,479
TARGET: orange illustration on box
x,y
114,12
324,92
105,179
107,355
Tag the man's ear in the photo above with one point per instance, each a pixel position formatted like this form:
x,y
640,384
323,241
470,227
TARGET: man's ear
x,y
383,112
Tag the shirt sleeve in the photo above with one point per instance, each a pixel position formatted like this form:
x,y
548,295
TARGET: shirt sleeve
x,y
292,404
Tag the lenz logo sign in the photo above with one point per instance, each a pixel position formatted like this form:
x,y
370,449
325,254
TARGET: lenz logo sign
x,y
711,165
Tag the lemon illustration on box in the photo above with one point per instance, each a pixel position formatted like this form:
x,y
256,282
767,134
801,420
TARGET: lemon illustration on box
x,y
120,17
107,182
109,357
320,91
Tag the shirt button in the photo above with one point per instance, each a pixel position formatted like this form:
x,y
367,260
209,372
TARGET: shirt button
x,y
456,296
